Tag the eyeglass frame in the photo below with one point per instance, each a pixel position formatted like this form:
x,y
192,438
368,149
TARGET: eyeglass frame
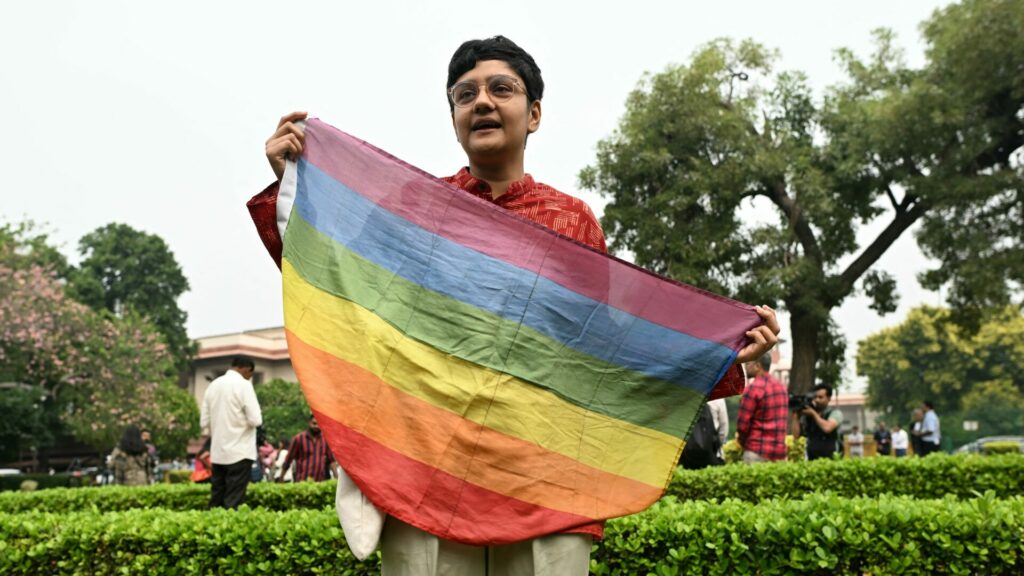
x,y
515,84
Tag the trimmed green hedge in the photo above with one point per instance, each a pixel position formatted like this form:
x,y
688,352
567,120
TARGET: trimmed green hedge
x,y
1001,447
167,542
62,480
933,477
936,476
822,534
180,497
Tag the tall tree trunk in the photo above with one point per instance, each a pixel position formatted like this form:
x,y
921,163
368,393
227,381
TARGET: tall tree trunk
x,y
805,328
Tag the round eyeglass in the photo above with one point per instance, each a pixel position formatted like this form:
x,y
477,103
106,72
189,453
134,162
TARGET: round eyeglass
x,y
500,88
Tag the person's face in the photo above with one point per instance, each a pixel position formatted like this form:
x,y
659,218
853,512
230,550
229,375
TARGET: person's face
x,y
821,399
314,428
245,372
753,369
145,436
494,132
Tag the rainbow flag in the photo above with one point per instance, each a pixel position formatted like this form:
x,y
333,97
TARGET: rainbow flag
x,y
476,374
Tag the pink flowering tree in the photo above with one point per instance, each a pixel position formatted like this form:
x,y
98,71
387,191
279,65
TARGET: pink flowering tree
x,y
102,373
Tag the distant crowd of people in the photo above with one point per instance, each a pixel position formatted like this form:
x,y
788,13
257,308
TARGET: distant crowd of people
x,y
767,407
235,451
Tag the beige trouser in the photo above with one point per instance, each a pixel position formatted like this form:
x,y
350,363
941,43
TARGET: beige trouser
x,y
750,457
409,551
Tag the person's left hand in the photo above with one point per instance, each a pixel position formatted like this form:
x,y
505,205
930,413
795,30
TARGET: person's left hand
x,y
808,411
763,338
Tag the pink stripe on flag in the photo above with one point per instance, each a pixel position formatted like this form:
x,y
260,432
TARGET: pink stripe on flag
x,y
442,209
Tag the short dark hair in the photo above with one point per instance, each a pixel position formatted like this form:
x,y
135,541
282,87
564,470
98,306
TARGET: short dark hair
x,y
243,362
496,48
825,387
765,362
929,404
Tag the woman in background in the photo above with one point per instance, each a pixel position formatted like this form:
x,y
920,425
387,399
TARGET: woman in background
x,y
132,464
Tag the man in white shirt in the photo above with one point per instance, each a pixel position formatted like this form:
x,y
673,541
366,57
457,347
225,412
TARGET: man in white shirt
x,y
900,441
720,415
230,414
856,440
930,435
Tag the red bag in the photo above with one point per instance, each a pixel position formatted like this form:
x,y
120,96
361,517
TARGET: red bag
x,y
201,472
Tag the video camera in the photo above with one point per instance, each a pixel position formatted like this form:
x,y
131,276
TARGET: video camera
x,y
798,402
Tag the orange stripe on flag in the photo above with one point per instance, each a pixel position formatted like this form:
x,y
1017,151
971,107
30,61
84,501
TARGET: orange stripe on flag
x,y
441,439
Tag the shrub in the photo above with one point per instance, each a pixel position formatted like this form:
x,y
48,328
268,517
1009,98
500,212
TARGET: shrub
x,y
936,476
177,476
933,477
1001,447
161,541
181,497
822,534
796,450
13,482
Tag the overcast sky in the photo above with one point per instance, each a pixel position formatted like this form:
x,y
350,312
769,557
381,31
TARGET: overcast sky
x,y
156,115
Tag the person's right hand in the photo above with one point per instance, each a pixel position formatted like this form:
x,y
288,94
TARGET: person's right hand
x,y
286,143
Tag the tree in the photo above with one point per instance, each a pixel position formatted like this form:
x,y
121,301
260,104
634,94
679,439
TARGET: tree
x,y
935,145
125,270
968,375
24,244
99,373
285,412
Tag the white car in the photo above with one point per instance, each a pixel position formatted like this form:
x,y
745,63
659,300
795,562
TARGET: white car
x,y
976,446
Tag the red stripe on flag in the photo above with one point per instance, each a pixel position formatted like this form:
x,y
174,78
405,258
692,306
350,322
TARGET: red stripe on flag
x,y
422,496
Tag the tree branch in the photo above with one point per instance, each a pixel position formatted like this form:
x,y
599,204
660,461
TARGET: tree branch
x,y
892,198
911,210
776,191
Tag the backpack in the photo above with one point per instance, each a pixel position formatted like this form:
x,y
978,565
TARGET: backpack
x,y
702,444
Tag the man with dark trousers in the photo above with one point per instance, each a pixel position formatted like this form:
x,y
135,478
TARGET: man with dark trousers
x,y
231,414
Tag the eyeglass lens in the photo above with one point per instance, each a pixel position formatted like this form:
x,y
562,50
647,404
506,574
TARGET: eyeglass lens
x,y
500,88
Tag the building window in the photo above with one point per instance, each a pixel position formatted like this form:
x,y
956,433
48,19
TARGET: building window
x,y
257,378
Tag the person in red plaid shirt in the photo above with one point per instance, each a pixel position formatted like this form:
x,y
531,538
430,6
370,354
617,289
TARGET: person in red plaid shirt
x,y
764,411
309,452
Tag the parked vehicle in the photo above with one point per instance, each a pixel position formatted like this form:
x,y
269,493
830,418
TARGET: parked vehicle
x,y
977,447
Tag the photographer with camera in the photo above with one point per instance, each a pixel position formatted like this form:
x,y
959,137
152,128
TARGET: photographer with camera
x,y
820,424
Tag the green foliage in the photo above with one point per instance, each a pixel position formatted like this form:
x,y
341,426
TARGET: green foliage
x,y
160,541
969,375
124,270
25,245
173,496
1001,447
26,422
891,145
937,476
796,450
285,411
100,373
821,534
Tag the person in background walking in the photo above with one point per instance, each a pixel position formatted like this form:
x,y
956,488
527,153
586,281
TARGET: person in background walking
x,y
132,464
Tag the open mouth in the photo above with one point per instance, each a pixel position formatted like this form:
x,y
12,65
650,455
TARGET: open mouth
x,y
486,125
